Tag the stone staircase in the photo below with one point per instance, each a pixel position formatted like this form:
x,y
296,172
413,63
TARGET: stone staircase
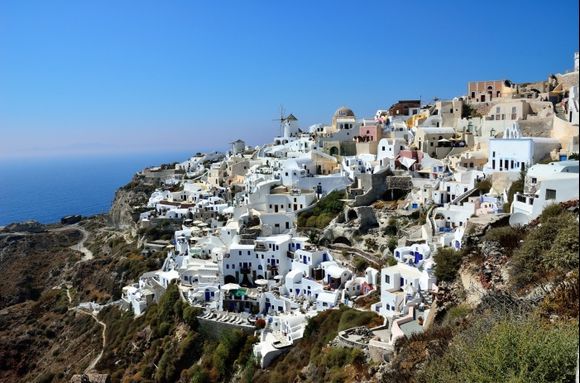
x,y
560,112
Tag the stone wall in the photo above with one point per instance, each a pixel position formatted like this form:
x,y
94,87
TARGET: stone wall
x,y
213,329
375,185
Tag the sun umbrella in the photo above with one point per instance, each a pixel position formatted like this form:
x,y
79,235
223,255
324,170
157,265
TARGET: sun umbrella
x,y
230,286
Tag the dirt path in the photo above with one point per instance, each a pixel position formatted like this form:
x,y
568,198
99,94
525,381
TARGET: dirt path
x,y
473,288
96,360
87,254
80,246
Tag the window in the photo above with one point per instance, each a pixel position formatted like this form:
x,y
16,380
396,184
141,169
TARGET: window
x,y
550,194
387,279
493,154
534,180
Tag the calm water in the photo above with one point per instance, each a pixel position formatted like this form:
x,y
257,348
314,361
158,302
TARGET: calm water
x,y
48,189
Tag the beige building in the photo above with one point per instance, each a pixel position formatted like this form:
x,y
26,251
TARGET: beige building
x,y
343,119
485,91
427,139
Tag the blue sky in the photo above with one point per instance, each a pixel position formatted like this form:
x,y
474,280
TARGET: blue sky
x,y
121,76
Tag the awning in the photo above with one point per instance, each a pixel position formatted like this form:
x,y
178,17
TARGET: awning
x,y
407,162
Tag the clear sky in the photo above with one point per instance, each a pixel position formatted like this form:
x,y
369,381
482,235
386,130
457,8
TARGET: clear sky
x,y
119,76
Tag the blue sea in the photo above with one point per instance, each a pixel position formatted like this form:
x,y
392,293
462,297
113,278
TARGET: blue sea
x,y
46,189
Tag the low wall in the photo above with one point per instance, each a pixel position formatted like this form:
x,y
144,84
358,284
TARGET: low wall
x,y
213,329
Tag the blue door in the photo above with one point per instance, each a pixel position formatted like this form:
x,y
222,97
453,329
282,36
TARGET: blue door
x,y
207,295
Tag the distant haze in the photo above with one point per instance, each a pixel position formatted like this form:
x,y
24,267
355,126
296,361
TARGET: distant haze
x,y
133,76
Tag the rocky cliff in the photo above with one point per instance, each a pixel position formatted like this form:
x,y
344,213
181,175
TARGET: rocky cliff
x,y
128,199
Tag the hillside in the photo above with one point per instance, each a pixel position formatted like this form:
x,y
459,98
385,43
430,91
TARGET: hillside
x,y
513,290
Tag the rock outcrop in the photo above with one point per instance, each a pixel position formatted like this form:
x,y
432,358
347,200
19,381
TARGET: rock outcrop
x,y
123,213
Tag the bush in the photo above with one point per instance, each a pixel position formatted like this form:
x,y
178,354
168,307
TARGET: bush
x,y
190,317
507,236
550,247
447,263
391,261
484,186
371,244
169,304
360,264
415,215
515,187
325,210
355,318
550,211
510,351
392,244
455,313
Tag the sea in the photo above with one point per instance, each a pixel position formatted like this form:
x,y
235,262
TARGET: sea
x,y
47,189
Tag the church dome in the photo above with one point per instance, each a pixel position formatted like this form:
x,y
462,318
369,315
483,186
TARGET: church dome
x,y
343,112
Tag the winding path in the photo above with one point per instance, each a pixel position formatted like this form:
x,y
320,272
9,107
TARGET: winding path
x,y
80,246
96,360
87,254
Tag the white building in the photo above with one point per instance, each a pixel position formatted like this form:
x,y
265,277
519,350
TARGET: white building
x,y
400,285
514,153
544,184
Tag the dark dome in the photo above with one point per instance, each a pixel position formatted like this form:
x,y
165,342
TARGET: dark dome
x,y
343,112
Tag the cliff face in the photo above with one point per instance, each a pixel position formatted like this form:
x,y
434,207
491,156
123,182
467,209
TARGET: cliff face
x,y
127,199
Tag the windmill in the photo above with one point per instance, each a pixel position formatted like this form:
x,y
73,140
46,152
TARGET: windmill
x,y
282,120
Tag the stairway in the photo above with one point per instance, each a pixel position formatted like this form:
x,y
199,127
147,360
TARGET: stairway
x,y
560,112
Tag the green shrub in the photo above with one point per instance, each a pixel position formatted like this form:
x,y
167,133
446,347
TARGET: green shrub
x,y
515,187
169,304
447,263
415,215
455,313
390,230
190,317
199,375
484,186
392,244
507,236
510,351
549,247
325,210
391,261
360,264
550,211
356,318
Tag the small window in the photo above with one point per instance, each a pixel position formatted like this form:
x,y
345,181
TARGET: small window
x,y
550,194
387,279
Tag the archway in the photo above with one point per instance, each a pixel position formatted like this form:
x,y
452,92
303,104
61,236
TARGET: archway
x,y
333,151
343,240
351,215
